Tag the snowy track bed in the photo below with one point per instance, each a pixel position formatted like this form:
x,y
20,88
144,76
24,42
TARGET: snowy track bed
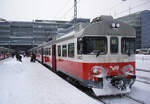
x,y
118,99
121,99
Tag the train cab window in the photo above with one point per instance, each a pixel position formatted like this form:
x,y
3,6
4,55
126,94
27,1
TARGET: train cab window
x,y
71,50
92,45
114,45
64,51
59,51
128,45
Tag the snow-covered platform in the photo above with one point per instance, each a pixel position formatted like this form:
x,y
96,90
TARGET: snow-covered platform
x,y
31,83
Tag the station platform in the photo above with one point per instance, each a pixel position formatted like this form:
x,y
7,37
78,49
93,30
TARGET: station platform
x,y
31,83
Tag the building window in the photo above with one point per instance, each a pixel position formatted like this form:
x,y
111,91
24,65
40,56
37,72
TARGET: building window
x,y
59,50
114,45
71,50
64,51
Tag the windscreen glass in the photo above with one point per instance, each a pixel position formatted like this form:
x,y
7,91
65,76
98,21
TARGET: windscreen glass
x,y
93,45
128,45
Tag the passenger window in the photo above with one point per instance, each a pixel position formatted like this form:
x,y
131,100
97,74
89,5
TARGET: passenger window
x,y
114,45
49,51
71,50
64,51
45,51
59,51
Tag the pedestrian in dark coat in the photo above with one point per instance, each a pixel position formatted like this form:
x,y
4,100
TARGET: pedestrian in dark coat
x,y
20,58
17,56
33,57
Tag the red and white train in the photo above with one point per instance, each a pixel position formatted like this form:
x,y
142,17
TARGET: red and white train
x,y
100,56
5,52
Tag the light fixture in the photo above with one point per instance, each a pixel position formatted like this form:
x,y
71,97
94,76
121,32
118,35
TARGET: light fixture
x,y
117,25
113,25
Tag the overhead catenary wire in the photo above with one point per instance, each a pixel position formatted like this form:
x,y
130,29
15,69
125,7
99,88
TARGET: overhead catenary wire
x,y
67,2
135,7
68,11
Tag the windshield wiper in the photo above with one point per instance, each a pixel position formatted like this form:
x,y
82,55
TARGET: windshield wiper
x,y
98,53
129,52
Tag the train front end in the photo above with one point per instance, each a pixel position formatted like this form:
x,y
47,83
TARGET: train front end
x,y
107,48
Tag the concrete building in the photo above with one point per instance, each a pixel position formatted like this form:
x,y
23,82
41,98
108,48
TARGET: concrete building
x,y
24,35
141,22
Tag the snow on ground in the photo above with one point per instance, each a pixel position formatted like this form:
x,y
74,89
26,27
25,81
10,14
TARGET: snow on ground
x,y
32,83
143,62
142,90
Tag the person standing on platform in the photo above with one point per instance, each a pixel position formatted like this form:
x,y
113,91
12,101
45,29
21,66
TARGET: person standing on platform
x,y
33,57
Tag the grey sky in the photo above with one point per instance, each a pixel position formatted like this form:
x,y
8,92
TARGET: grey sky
x,y
28,10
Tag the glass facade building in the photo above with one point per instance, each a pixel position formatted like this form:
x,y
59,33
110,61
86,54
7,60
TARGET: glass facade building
x,y
141,22
29,34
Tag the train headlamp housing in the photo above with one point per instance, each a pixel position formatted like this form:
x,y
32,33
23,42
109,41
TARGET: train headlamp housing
x,y
96,70
128,70
99,71
115,25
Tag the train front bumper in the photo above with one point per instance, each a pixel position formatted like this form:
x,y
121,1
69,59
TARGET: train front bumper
x,y
113,86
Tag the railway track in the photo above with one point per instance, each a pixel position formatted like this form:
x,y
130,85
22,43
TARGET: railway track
x,y
96,98
134,99
105,99
108,99
143,81
143,70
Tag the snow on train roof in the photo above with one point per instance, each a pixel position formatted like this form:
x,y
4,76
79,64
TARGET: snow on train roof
x,y
67,35
104,28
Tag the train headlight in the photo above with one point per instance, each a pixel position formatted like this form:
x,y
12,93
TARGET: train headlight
x,y
96,70
128,69
117,25
113,25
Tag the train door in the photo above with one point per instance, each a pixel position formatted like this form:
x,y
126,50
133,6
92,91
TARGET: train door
x,y
54,57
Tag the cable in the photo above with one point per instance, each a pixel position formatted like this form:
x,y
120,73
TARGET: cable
x,y
62,8
137,6
70,9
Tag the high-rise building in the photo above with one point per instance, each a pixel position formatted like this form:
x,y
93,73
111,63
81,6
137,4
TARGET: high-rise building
x,y
141,22
25,35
